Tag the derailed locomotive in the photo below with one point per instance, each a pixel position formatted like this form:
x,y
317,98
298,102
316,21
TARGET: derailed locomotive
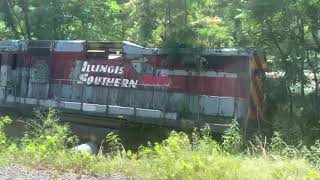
x,y
116,82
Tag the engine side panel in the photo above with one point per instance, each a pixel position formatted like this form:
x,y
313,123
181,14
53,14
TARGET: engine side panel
x,y
129,85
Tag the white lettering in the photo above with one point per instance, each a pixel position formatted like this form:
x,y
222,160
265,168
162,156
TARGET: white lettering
x,y
97,68
83,77
133,83
93,68
90,80
116,70
84,66
117,82
125,82
120,70
104,81
88,68
111,69
97,80
103,68
110,81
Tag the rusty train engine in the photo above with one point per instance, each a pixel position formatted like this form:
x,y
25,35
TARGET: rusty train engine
x,y
116,82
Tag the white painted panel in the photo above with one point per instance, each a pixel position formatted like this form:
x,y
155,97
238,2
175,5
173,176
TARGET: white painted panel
x,y
167,72
69,46
89,107
150,113
31,101
226,106
119,110
20,100
101,108
71,105
131,49
48,103
227,52
94,108
171,116
10,99
4,75
210,105
12,45
42,102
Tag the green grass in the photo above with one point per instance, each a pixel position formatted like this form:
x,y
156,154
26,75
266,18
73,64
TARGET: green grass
x,y
178,157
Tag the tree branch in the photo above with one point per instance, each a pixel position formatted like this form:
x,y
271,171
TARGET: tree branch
x,y
17,18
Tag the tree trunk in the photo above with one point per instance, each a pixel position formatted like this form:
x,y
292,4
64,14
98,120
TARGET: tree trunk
x,y
302,78
316,94
25,9
302,42
290,101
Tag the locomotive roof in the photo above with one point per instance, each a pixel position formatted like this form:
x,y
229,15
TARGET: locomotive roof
x,y
125,46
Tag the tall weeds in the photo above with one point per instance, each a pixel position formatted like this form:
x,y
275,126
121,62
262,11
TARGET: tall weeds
x,y
232,139
48,144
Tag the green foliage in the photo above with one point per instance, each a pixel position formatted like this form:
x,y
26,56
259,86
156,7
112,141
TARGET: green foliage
x,y
287,30
314,154
3,122
212,32
114,144
277,144
70,19
166,23
45,136
232,139
177,157
258,145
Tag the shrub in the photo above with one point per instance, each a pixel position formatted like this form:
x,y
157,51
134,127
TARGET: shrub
x,y
44,135
280,147
3,122
114,144
315,153
232,139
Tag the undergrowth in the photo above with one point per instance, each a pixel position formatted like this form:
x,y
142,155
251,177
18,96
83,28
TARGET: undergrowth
x,y
49,145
